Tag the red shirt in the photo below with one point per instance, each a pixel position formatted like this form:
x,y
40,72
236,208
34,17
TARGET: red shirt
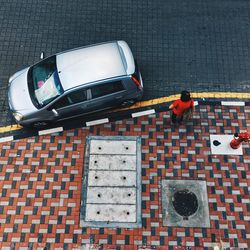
x,y
180,106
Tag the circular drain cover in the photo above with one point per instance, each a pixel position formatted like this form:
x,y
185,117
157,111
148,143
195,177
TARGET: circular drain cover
x,y
185,203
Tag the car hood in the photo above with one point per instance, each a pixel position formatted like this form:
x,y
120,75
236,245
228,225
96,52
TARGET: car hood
x,y
18,95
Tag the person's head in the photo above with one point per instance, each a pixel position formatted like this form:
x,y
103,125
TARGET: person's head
x,y
185,96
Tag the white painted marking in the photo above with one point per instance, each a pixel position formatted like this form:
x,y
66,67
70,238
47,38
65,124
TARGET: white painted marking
x,y
50,131
97,122
111,195
196,103
224,148
227,103
112,162
111,213
142,113
112,147
112,178
5,139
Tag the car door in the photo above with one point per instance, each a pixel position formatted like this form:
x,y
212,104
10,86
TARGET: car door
x,y
106,95
72,104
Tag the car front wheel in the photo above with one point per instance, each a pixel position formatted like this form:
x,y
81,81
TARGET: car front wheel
x,y
39,124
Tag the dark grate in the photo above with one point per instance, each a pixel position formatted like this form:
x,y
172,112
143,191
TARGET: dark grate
x,y
185,203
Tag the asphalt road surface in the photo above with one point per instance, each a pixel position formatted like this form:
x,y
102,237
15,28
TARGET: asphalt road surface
x,y
199,45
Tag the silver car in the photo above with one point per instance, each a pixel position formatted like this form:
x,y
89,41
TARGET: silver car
x,y
74,83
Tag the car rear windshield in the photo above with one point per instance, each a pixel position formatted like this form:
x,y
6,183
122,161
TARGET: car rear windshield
x,y
44,83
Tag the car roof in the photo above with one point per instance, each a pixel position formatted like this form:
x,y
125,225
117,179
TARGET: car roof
x,y
89,64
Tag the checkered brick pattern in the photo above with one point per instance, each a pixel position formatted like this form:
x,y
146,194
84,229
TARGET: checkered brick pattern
x,y
41,180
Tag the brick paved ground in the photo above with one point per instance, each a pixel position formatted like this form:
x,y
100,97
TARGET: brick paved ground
x,y
41,185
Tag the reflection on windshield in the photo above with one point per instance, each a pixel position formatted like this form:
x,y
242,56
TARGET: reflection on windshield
x,y
44,83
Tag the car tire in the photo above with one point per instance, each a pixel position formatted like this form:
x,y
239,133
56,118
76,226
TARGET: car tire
x,y
40,124
128,103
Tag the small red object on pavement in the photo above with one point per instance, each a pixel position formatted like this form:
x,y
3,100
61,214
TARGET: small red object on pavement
x,y
238,139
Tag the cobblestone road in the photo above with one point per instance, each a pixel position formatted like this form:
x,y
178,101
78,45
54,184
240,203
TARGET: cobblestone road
x,y
200,45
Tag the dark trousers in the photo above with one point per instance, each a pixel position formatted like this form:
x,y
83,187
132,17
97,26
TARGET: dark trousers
x,y
176,118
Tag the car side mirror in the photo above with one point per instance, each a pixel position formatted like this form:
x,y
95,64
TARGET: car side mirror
x,y
42,55
55,112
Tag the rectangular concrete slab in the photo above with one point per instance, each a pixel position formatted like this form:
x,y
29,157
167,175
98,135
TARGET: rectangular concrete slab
x,y
112,178
220,145
112,162
107,195
111,193
113,147
111,213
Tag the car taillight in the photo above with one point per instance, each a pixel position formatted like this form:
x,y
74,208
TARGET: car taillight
x,y
136,81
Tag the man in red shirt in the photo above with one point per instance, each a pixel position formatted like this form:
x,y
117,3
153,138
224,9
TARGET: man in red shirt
x,y
180,106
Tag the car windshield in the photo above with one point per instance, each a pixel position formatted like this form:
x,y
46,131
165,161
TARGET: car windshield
x,y
44,83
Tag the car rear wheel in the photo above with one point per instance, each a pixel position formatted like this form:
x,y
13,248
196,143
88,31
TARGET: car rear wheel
x,y
128,102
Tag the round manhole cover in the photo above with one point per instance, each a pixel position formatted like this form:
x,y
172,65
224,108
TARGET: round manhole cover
x,y
185,203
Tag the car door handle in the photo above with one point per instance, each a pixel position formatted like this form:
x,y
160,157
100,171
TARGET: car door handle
x,y
118,97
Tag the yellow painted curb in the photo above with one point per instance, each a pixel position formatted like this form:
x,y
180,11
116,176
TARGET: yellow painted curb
x,y
10,128
216,95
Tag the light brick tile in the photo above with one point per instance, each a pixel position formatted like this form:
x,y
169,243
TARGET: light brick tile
x,y
214,217
137,242
154,224
60,230
51,240
70,222
11,212
238,209
45,213
15,239
62,213
243,245
172,243
58,171
241,227
103,241
54,222
120,242
30,195
190,244
155,243
43,230
38,204
181,234
35,221
221,209
51,163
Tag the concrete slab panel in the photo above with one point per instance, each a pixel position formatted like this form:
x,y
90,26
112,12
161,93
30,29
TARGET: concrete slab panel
x,y
109,195
112,162
112,178
111,213
220,145
113,147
